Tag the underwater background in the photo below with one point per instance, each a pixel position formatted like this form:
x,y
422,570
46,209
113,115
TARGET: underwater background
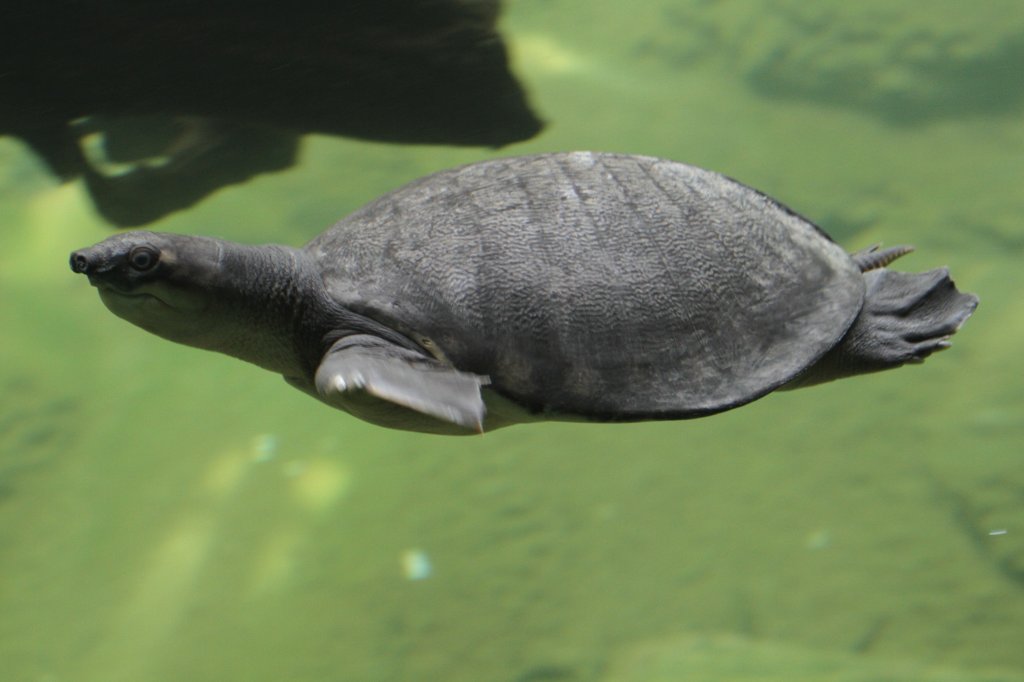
x,y
172,514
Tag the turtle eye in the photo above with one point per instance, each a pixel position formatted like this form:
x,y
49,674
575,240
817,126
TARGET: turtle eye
x,y
143,258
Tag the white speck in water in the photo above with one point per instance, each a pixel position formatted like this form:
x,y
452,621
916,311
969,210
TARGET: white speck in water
x,y
264,447
998,531
416,564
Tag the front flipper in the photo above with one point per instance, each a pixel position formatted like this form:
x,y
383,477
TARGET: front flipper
x,y
363,365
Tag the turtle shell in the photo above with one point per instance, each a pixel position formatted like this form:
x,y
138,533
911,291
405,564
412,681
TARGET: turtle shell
x,y
603,286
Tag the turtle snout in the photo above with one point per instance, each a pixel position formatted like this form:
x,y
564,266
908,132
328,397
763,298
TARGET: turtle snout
x,y
80,262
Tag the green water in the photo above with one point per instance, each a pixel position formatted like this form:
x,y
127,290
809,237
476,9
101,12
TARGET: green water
x,y
168,514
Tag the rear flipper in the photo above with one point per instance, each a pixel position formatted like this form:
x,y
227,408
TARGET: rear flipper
x,y
906,317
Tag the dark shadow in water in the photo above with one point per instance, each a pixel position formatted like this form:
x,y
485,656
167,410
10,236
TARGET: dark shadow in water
x,y
996,498
33,431
838,59
548,673
943,88
158,104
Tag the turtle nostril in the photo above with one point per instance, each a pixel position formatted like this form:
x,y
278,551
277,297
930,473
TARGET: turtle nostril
x,y
79,263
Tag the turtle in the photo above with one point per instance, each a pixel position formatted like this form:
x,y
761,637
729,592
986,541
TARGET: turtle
x,y
575,286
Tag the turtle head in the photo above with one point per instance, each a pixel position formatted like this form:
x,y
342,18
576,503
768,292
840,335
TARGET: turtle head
x,y
164,283
242,300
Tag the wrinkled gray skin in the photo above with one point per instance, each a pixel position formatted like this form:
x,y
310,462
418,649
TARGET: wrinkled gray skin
x,y
574,286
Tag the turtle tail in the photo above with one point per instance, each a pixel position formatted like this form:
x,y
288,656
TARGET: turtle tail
x,y
872,259
905,318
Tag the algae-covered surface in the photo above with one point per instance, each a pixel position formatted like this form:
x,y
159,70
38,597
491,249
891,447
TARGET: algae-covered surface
x,y
170,514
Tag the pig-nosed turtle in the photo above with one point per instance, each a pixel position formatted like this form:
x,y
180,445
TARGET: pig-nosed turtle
x,y
576,286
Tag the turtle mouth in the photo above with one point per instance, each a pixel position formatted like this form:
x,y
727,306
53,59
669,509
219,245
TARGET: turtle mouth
x,y
106,287
109,292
